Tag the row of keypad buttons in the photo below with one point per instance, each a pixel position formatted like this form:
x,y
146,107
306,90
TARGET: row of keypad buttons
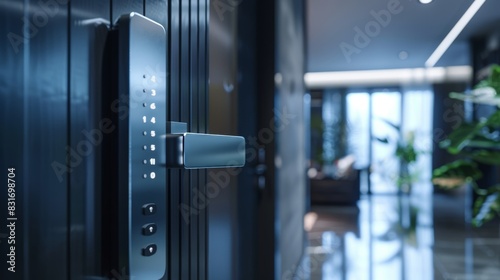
x,y
149,229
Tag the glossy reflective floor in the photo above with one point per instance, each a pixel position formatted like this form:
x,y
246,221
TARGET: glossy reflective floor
x,y
421,237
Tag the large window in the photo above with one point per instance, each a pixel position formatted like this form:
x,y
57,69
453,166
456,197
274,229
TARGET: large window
x,y
358,118
355,122
385,112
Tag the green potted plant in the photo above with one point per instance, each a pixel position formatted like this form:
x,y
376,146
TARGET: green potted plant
x,y
475,142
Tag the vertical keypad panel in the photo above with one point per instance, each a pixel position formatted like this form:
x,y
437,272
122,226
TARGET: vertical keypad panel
x,y
142,59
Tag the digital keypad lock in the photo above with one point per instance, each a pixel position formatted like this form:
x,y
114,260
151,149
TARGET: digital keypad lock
x,y
148,145
141,58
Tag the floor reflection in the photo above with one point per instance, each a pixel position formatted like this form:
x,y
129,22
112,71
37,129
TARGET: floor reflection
x,y
417,237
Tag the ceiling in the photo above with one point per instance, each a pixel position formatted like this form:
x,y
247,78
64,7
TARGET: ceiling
x,y
407,40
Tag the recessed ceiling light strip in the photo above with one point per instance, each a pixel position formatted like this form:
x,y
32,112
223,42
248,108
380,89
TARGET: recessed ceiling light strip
x,y
455,31
387,77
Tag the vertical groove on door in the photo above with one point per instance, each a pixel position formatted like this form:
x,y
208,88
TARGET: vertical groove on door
x,y
173,186
202,127
196,196
184,108
68,143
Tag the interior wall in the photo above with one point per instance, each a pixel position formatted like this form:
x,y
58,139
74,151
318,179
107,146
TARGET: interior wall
x,y
290,161
248,192
222,119
272,186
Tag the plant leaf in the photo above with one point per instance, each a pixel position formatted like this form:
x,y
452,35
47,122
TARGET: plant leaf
x,y
494,79
454,174
486,208
384,140
460,137
485,156
393,125
407,153
466,135
494,119
484,144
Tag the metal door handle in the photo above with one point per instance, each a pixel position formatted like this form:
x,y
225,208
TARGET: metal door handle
x,y
180,149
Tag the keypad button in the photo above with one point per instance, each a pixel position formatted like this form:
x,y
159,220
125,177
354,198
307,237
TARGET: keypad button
x,y
149,229
149,209
149,250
